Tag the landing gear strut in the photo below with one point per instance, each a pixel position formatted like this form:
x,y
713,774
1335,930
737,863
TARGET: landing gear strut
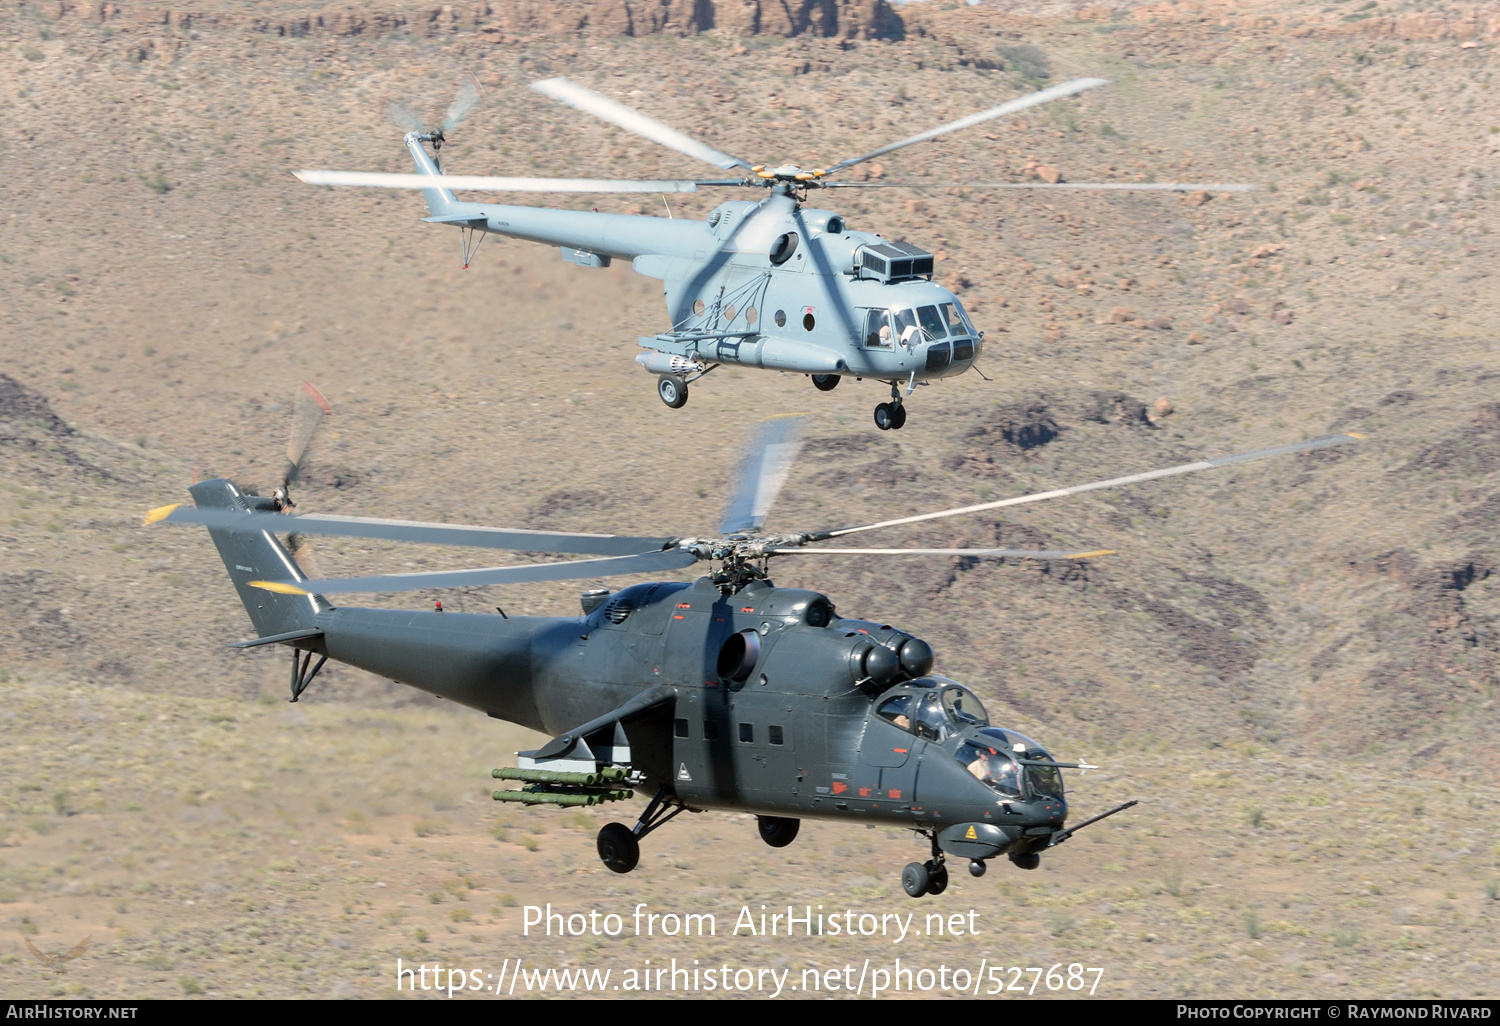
x,y
930,877
620,846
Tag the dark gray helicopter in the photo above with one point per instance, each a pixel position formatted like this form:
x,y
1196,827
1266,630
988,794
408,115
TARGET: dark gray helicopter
x,y
727,693
770,284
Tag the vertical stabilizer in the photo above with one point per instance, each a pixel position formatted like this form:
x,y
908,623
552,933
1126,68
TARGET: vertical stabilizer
x,y
256,557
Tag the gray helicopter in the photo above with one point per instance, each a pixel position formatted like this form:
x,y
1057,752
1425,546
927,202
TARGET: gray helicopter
x,y
727,693
771,284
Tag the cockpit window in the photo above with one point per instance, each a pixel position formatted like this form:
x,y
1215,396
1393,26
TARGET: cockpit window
x,y
897,710
963,707
878,329
932,322
992,766
906,326
957,320
1044,781
932,723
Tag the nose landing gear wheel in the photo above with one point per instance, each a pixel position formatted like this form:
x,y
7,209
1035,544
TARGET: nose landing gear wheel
x,y
890,416
825,382
778,831
618,848
937,877
914,879
673,391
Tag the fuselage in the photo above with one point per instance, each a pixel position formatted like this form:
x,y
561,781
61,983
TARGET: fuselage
x,y
774,711
766,284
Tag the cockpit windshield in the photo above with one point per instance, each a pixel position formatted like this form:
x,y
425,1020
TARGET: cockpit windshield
x,y
992,766
934,708
934,323
1042,780
956,319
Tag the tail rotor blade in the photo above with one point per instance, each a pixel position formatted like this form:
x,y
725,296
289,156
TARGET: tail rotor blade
x,y
400,116
763,472
468,98
311,408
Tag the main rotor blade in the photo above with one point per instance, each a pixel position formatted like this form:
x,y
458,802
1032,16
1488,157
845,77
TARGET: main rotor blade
x,y
1082,186
1056,92
408,531
645,562
590,102
487,183
761,474
1186,468
986,553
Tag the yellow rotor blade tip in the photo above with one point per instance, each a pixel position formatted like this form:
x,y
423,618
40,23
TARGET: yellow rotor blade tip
x,y
161,513
279,587
1091,555
1356,434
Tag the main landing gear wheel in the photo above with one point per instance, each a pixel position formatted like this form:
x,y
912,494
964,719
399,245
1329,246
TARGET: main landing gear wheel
x,y
1028,861
914,879
618,847
937,877
778,831
890,416
825,382
673,391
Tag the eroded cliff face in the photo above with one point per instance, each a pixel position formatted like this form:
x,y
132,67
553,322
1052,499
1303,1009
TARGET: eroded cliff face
x,y
509,22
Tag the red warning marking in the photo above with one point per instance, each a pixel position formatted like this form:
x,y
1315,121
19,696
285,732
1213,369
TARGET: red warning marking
x,y
684,605
747,609
839,788
864,792
899,751
678,616
894,794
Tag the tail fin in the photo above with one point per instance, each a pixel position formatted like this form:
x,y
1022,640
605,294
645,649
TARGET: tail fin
x,y
256,557
439,201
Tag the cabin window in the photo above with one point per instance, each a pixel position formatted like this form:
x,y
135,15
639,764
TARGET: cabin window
x,y
808,320
747,733
710,730
751,314
777,736
680,728
780,318
698,306
878,329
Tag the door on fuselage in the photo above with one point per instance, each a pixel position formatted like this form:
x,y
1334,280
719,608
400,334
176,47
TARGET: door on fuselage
x,y
886,774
